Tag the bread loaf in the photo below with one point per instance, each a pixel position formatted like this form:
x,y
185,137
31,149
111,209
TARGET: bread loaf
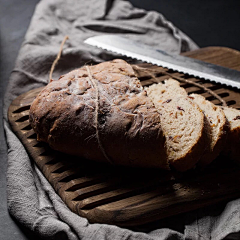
x,y
101,113
182,123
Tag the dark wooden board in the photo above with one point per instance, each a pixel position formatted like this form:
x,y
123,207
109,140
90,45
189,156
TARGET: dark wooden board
x,y
126,196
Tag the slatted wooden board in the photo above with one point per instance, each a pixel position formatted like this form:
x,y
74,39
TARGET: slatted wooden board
x,y
125,196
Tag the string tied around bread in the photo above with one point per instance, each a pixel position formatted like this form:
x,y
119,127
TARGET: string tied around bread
x,y
95,86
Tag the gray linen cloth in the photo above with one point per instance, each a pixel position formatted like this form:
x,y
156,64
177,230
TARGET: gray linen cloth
x,y
31,199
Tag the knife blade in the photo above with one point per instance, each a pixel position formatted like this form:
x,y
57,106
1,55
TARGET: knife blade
x,y
145,53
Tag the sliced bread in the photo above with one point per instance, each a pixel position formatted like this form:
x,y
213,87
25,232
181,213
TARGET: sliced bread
x,y
218,128
182,124
233,143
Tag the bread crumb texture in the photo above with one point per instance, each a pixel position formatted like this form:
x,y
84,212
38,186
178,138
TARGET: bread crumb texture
x,y
182,123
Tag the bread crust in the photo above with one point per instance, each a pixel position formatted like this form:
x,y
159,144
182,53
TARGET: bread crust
x,y
128,125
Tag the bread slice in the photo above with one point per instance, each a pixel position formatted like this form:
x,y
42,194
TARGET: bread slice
x,y
218,128
182,123
233,143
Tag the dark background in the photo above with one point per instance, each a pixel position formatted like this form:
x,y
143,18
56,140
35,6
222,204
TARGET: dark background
x,y
207,22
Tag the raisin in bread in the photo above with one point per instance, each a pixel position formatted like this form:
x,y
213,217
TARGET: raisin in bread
x,y
218,128
101,113
182,122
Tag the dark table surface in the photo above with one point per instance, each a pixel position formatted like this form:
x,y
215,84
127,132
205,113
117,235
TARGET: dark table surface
x,y
208,23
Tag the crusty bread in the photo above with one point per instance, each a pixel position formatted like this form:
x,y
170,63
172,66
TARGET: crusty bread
x,y
182,123
232,147
218,128
102,113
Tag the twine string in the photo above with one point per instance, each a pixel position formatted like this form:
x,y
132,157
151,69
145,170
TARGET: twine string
x,y
57,58
94,84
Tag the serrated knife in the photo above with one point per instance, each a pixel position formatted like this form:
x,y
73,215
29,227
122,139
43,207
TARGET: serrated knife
x,y
145,53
